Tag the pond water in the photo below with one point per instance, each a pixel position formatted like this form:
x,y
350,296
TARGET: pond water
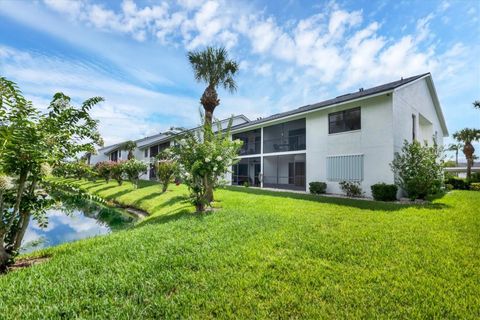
x,y
74,219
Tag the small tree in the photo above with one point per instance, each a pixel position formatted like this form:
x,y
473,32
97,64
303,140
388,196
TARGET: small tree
x,y
202,163
467,136
104,170
118,171
31,142
165,171
418,169
130,147
133,168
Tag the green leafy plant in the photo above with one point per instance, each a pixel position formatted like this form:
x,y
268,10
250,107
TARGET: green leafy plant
x,y
30,143
213,67
475,186
117,171
384,192
133,168
458,183
351,188
104,170
165,170
418,169
448,187
201,162
467,136
130,147
318,187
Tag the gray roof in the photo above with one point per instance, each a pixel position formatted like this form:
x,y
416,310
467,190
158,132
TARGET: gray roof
x,y
362,93
159,137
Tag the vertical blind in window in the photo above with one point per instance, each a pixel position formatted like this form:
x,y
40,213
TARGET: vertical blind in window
x,y
345,168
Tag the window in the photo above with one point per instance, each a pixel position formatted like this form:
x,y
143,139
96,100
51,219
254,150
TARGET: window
x,y
145,153
414,129
346,120
345,168
156,149
114,156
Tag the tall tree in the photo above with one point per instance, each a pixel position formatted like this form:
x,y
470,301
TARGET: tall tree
x,y
213,67
30,143
455,147
467,136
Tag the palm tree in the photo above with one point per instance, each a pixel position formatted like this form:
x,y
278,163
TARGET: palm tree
x,y
129,146
476,104
455,147
467,136
213,67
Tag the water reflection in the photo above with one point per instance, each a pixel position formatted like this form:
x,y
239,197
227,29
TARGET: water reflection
x,y
73,219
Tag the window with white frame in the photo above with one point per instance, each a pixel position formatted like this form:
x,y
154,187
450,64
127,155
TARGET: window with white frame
x,y
345,168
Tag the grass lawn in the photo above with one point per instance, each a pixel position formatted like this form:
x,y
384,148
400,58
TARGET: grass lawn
x,y
263,255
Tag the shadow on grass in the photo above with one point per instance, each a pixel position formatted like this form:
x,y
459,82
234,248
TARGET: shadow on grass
x,y
95,190
359,204
170,202
183,212
118,194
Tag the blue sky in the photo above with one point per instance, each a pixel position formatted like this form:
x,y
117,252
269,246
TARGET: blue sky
x,y
291,53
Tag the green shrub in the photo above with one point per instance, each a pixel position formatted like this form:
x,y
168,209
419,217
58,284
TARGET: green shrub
x,y
475,177
351,188
459,183
118,171
418,169
448,187
133,168
104,169
318,187
475,186
384,192
165,170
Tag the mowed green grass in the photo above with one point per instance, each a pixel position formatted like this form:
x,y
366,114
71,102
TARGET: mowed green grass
x,y
261,255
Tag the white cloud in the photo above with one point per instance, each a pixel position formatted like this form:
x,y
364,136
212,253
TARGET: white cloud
x,y
127,110
264,69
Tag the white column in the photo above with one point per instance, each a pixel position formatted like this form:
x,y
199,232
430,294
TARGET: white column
x,y
261,156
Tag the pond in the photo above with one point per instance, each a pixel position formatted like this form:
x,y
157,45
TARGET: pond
x,y
74,219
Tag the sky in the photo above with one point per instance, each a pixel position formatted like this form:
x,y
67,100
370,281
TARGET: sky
x,y
290,53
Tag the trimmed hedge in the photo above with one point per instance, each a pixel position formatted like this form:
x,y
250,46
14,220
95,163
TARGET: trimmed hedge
x,y
384,192
475,186
318,187
458,183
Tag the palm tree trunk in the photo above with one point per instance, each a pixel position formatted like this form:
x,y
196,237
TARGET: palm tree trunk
x,y
209,102
456,158
468,150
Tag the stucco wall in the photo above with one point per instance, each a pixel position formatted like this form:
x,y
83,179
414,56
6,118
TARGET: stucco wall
x,y
414,98
374,140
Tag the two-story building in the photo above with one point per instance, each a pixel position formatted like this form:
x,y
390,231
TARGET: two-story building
x,y
352,137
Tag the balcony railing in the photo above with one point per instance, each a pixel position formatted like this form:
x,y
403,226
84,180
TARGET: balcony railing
x,y
283,144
